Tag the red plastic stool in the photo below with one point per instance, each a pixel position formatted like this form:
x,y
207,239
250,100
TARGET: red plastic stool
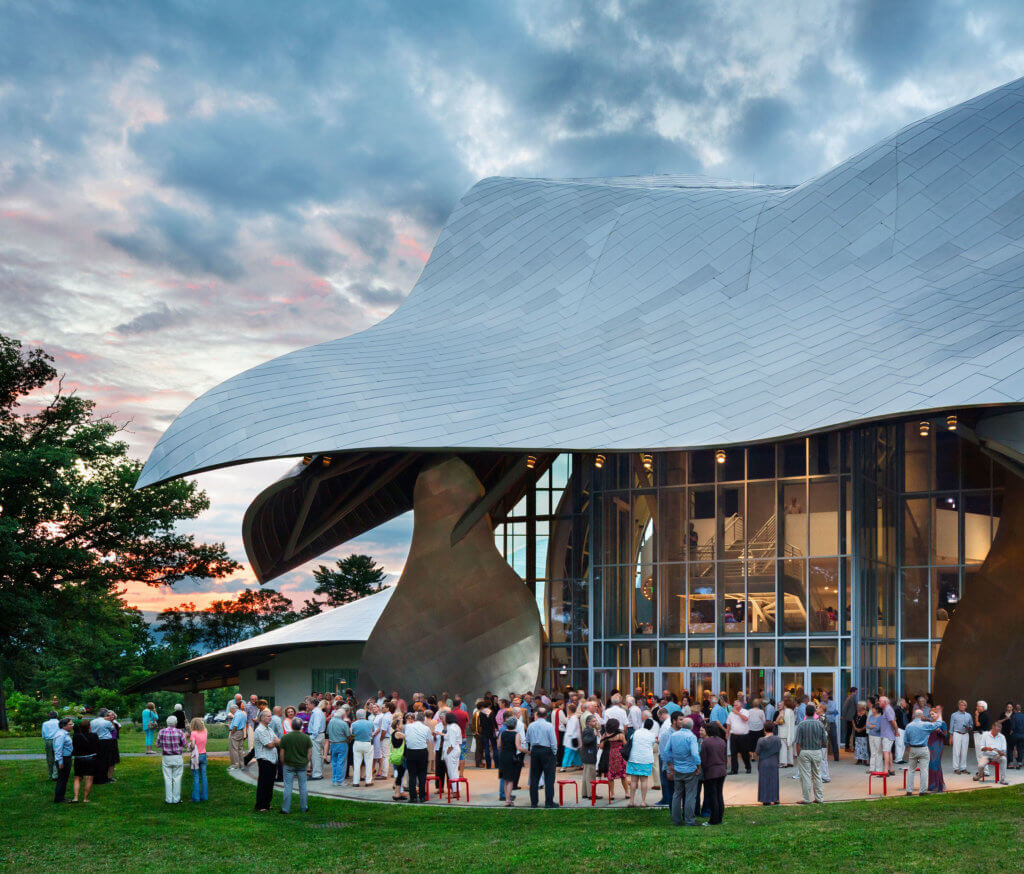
x,y
916,771
437,784
456,782
885,781
561,788
992,765
593,790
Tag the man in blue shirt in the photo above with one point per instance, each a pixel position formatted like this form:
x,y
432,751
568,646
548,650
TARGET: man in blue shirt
x,y
683,754
918,754
664,733
62,749
315,728
541,742
236,736
49,732
832,723
719,713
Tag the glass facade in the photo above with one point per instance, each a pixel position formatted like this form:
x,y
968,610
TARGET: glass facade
x,y
810,564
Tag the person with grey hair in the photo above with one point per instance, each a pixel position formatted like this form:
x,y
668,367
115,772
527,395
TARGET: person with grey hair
x,y
918,756
265,744
510,752
683,755
418,740
362,748
316,728
236,736
171,741
296,754
63,748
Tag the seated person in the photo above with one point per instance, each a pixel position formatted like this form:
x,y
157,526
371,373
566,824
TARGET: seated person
x,y
993,749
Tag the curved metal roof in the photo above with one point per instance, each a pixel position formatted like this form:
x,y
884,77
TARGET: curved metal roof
x,y
671,313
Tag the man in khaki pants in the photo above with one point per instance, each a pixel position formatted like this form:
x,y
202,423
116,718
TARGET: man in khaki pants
x,y
916,740
809,742
236,736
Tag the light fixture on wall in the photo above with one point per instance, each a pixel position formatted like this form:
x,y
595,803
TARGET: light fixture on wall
x,y
924,428
951,422
720,456
531,461
326,460
598,461
647,460
564,671
306,459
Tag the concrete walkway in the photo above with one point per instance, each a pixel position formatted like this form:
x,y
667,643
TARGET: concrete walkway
x,y
849,782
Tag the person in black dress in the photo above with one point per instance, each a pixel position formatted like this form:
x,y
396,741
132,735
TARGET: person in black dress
x,y
510,763
85,750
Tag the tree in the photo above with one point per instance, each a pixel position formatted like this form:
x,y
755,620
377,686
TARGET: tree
x,y
73,531
356,577
253,612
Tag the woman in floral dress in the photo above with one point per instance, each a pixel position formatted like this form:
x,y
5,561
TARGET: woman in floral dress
x,y
612,742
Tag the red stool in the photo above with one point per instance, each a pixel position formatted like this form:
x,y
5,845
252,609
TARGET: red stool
x,y
916,771
456,782
885,781
561,787
437,784
983,770
593,790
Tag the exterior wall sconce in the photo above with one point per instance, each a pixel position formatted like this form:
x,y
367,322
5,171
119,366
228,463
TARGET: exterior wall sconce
x,y
531,461
924,428
720,456
951,423
648,461
599,461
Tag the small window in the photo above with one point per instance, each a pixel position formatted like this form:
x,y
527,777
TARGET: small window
x,y
262,675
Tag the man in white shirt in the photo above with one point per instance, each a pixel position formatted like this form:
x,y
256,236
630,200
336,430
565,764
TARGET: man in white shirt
x,y
755,722
992,748
418,740
315,729
634,715
737,734
616,711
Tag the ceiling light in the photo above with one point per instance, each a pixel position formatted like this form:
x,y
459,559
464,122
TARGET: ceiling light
x,y
647,460
531,461
598,461
306,459
924,428
951,423
720,456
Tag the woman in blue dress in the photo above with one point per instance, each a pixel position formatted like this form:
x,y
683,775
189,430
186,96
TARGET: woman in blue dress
x,y
149,725
936,741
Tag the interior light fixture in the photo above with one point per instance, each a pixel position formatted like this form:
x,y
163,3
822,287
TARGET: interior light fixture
x,y
326,461
924,428
647,460
531,461
720,456
306,459
951,422
564,671
598,461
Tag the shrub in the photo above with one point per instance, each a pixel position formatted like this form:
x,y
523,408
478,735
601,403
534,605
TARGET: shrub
x,y
217,729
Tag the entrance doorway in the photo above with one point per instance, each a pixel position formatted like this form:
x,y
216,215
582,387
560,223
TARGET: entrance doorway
x,y
809,681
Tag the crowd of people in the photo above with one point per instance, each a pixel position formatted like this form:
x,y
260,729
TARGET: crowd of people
x,y
629,743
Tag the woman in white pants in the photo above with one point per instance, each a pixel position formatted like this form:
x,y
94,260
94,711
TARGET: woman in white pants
x,y
451,747
362,748
876,763
785,721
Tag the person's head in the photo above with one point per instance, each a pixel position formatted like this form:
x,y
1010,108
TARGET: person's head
x,y
809,710
961,705
616,699
265,717
83,726
172,721
457,703
862,706
677,720
254,698
612,725
996,729
630,700
262,704
360,714
450,719
542,713
590,722
420,716
151,706
1009,707
296,723
983,705
769,728
648,723
289,712
66,723
918,713
232,707
177,707
52,715
883,701
737,704
276,710
196,724
687,723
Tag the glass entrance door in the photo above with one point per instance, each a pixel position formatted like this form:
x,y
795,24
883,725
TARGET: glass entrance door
x,y
822,681
812,682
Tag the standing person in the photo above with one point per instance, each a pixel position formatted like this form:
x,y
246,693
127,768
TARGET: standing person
x,y
362,748
398,756
265,744
936,741
149,724
992,749
541,742
571,739
712,763
49,731
876,763
452,745
103,729
982,723
809,741
589,739
339,735
888,731
859,727
756,719
737,729
961,725
641,761
277,726
785,720
478,743
683,756
665,732
768,749
489,734
384,721
831,723
918,754
612,742
84,749
296,750
171,741
197,760
462,718
236,736
418,738
63,750
510,753
316,728
848,712
1017,737
252,716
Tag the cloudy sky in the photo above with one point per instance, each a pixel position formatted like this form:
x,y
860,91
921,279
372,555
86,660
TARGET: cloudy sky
x,y
188,189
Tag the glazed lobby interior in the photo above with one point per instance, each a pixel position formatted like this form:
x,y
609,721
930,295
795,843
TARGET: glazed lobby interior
x,y
806,565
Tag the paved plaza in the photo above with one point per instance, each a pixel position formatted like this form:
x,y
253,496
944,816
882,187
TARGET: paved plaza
x,y
849,783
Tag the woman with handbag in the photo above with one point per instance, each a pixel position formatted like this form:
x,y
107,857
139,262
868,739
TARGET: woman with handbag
x,y
397,757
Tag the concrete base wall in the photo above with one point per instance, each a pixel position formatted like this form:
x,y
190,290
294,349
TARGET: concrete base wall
x,y
289,676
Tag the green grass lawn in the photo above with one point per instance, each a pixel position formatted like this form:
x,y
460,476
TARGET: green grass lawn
x,y
128,827
130,742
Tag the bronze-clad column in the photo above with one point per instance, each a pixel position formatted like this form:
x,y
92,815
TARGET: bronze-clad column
x,y
982,651
460,619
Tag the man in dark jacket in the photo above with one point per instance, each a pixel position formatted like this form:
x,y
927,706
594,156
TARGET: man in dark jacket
x,y
849,711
